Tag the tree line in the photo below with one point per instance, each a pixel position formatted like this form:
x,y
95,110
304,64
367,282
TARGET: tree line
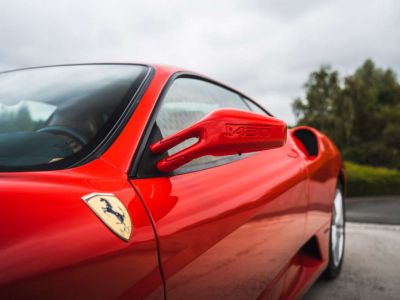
x,y
18,120
359,112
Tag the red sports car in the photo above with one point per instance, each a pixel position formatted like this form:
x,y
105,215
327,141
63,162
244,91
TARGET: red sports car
x,y
130,181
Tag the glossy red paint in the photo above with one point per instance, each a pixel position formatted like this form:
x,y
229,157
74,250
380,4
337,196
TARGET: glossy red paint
x,y
222,132
229,229
53,247
234,231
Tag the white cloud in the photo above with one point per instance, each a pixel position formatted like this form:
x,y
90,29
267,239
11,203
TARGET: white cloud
x,y
266,49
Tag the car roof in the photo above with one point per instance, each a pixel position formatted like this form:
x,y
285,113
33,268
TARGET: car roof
x,y
160,67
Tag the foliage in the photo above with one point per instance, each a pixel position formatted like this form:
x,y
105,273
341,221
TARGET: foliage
x,y
371,181
360,113
18,120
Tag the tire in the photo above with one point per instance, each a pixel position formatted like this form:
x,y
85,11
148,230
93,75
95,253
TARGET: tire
x,y
337,236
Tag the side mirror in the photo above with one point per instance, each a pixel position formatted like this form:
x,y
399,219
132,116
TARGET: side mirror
x,y
222,132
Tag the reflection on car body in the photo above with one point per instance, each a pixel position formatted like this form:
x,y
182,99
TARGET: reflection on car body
x,y
128,181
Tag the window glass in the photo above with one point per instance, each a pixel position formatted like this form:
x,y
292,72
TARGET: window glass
x,y
50,114
255,108
186,102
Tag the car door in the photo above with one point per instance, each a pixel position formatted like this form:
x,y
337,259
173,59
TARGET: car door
x,y
227,226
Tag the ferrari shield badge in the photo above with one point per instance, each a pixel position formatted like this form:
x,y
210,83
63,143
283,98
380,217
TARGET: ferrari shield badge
x,y
112,212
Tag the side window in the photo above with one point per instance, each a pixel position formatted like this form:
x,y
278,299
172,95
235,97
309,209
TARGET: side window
x,y
186,102
254,107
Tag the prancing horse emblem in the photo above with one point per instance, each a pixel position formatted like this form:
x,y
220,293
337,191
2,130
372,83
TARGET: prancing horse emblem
x,y
109,209
112,212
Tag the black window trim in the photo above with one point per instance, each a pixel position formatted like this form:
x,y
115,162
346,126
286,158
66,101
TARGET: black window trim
x,y
245,99
139,153
134,94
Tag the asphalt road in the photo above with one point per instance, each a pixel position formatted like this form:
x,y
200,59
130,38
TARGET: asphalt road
x,y
371,268
378,210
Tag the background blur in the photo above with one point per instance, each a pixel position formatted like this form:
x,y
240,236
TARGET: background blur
x,y
330,64
265,48
361,113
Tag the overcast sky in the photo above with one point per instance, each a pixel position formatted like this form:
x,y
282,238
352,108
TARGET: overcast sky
x,y
266,49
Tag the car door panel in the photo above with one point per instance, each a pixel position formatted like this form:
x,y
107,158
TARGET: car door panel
x,y
226,232
57,248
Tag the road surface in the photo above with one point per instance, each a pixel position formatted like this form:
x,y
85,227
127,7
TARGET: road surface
x,y
371,268
378,210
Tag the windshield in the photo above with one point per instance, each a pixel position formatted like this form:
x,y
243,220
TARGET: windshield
x,y
54,114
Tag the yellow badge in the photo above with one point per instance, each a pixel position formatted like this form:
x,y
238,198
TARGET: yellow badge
x,y
112,212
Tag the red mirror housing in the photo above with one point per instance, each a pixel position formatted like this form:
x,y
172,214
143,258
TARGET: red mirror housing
x,y
222,132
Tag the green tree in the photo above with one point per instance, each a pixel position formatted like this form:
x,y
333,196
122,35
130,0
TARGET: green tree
x,y
361,113
19,120
322,103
